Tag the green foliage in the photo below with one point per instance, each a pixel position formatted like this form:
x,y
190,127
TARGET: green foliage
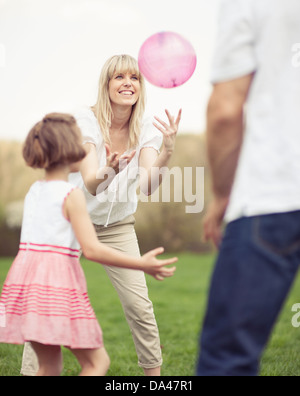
x,y
9,240
2,214
15,176
169,224
158,224
15,180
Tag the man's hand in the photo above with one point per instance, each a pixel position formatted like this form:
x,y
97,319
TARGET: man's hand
x,y
213,221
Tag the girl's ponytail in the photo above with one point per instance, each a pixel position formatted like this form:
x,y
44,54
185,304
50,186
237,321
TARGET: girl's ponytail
x,y
33,152
54,141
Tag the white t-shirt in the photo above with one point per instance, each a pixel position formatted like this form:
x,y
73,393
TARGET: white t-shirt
x,y
259,36
120,199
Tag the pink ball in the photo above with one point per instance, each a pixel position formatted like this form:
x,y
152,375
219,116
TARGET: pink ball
x,y
167,60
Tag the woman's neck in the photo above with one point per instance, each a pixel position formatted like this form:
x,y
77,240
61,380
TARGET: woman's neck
x,y
121,117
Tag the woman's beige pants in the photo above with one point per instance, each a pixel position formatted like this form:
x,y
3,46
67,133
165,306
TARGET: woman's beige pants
x,y
133,293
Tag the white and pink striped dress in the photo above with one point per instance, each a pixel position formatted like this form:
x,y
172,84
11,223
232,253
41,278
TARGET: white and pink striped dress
x,y
44,297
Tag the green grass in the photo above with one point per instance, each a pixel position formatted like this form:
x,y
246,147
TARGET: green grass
x,y
179,305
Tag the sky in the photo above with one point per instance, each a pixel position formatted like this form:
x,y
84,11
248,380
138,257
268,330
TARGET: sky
x,y
52,52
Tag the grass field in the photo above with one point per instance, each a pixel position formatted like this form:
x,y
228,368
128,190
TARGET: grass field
x,y
179,307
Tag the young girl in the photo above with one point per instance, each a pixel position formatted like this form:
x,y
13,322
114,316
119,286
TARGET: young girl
x,y
44,298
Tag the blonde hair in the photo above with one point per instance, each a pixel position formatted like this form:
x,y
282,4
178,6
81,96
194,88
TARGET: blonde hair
x,y
54,141
103,109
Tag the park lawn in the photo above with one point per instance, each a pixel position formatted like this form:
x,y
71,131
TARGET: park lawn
x,y
179,305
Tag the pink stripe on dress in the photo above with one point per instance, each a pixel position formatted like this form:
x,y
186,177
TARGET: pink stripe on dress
x,y
34,247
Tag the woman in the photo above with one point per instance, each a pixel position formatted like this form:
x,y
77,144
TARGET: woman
x,y
121,150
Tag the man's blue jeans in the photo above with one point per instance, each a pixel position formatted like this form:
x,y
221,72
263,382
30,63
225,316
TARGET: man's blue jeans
x,y
257,264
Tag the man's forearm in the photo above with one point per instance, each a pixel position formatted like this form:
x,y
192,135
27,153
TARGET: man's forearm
x,y
225,127
224,140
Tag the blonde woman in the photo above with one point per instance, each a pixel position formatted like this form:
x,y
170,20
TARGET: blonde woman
x,y
122,149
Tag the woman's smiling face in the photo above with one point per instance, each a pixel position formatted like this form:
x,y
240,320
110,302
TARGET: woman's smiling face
x,y
124,89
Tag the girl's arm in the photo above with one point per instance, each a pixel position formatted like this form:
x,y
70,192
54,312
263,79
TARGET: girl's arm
x,y
76,211
152,165
93,176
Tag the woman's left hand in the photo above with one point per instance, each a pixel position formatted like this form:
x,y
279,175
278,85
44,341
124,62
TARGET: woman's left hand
x,y
169,131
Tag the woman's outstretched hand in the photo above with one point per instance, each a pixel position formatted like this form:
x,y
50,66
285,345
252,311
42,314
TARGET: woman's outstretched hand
x,y
157,268
169,131
117,163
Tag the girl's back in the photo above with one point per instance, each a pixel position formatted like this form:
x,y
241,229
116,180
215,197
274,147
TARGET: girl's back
x,y
43,221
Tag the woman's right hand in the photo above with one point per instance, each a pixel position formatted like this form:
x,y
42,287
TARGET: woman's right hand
x,y
157,268
118,164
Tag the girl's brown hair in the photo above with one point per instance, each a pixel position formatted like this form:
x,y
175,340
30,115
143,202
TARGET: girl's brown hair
x,y
54,141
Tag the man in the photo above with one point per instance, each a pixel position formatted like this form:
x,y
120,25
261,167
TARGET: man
x,y
254,154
